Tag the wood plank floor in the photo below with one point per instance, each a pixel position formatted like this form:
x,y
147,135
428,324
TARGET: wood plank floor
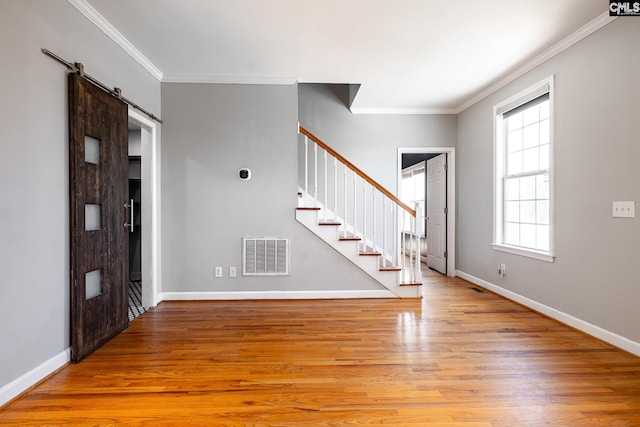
x,y
458,357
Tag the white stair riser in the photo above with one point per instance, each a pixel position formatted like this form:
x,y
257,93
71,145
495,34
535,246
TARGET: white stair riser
x,y
350,250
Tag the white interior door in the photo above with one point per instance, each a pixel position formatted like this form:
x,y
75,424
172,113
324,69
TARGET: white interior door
x,y
437,213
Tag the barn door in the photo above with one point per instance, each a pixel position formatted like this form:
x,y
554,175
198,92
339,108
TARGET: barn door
x,y
98,190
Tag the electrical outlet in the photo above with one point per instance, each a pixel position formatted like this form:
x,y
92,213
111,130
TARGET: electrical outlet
x,y
502,270
232,272
218,271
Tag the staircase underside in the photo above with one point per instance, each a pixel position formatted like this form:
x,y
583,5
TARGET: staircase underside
x,y
368,260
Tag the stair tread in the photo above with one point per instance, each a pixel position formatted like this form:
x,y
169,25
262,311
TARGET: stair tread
x,y
329,222
307,209
390,269
410,284
352,239
370,254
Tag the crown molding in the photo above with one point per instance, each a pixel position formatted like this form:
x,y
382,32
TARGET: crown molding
x,y
581,33
366,110
246,80
99,21
589,28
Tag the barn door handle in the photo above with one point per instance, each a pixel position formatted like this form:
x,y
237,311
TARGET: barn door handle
x,y
130,223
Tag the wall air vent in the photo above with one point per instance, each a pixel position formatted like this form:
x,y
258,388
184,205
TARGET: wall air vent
x,y
265,256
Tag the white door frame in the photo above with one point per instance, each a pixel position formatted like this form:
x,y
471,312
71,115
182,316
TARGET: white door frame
x,y
451,196
150,236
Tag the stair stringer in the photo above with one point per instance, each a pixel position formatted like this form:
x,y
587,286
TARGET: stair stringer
x,y
350,250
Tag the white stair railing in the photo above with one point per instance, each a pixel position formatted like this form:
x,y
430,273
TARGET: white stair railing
x,y
386,227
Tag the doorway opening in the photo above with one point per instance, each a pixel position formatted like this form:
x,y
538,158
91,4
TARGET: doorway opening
x,y
136,307
144,233
443,227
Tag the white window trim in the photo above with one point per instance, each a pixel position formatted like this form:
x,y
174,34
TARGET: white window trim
x,y
498,174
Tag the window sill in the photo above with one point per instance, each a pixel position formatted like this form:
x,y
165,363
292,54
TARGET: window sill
x,y
529,253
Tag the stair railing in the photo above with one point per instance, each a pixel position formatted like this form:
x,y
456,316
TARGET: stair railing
x,y
366,211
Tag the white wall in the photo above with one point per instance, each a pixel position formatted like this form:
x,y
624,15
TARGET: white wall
x,y
135,142
34,199
597,146
211,131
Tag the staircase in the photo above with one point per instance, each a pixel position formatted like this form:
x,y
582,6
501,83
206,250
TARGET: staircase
x,y
359,218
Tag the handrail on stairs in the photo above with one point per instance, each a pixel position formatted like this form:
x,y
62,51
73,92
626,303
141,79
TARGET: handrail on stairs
x,y
391,232
357,170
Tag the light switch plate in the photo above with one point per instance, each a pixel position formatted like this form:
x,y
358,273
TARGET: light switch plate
x,y
232,272
625,209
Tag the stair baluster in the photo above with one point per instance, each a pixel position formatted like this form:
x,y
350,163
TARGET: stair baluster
x,y
344,201
376,217
325,190
315,172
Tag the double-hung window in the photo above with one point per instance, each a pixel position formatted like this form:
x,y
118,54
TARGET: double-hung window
x,y
523,208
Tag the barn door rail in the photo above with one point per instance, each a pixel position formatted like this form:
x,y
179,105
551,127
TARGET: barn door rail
x,y
78,68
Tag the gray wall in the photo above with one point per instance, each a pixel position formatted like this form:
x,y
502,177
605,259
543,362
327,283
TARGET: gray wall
x,y
370,141
211,131
597,148
34,211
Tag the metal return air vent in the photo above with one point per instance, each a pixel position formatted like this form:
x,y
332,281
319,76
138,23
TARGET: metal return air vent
x,y
265,256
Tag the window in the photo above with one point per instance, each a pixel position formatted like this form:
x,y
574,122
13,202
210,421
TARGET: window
x,y
524,176
412,192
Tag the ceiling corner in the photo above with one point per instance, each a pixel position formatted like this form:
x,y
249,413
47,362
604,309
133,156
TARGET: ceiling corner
x,y
103,25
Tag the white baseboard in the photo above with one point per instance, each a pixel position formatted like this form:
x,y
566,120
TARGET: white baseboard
x,y
246,295
22,383
586,327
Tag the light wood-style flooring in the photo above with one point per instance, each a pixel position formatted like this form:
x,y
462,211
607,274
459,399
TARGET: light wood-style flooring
x,y
458,357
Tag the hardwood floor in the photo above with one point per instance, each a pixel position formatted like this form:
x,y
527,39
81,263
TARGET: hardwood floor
x,y
458,357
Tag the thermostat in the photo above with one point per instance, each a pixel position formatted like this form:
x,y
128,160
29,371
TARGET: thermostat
x,y
244,174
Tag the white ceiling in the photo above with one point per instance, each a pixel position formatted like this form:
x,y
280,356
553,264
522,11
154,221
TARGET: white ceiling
x,y
408,55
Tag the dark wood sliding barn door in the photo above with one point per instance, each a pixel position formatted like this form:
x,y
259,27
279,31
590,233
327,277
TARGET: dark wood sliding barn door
x,y
98,184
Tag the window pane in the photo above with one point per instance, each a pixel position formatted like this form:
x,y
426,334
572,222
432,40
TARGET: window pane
x,y
542,186
544,157
514,122
544,132
407,190
531,159
512,212
528,212
92,284
531,136
528,234
528,188
514,163
512,233
514,141
91,150
512,189
531,114
92,218
543,234
419,181
542,212
544,110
